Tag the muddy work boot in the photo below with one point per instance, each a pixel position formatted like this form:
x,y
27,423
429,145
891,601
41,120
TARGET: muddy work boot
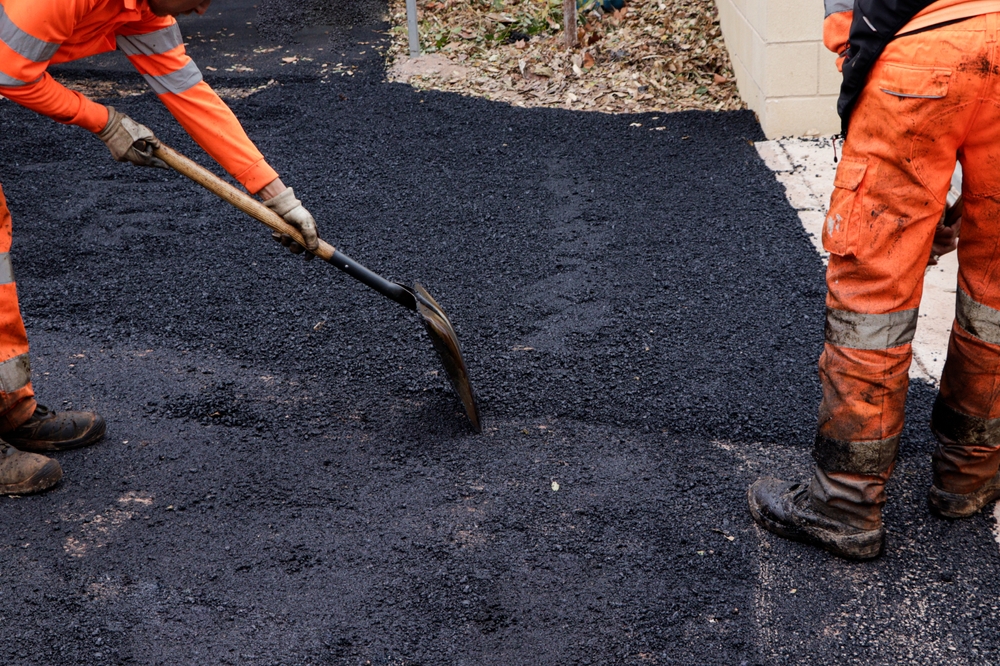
x,y
840,510
25,473
786,509
47,431
963,505
966,463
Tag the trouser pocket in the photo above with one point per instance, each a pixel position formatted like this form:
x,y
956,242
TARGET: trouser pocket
x,y
842,226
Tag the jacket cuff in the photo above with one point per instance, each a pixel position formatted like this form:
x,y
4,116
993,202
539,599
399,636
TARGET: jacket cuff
x,y
92,116
256,176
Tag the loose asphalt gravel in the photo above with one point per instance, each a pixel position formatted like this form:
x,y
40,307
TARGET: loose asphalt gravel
x,y
288,479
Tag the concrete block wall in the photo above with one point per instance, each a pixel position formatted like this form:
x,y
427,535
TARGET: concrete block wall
x,y
783,71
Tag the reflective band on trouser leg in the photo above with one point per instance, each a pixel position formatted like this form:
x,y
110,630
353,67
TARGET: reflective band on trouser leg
x,y
6,269
17,399
15,373
23,44
151,43
870,331
874,457
175,82
977,319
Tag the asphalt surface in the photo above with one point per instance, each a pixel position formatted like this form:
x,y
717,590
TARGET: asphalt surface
x,y
287,477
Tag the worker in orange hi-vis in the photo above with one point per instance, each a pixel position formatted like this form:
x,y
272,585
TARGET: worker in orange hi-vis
x,y
33,34
921,90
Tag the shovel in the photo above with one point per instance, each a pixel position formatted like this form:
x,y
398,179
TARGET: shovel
x,y
436,322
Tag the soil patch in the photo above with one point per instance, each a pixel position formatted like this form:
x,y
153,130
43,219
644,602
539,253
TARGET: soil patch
x,y
647,56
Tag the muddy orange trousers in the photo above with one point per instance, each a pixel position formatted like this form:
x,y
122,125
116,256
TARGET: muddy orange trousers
x,y
17,399
931,99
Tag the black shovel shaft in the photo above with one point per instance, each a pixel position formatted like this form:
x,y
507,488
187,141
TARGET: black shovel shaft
x,y
396,292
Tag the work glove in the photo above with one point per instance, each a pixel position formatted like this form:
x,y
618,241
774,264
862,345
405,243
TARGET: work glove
x,y
129,141
945,241
950,224
293,212
947,232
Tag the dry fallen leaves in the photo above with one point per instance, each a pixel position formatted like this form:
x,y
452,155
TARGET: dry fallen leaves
x,y
651,55
102,89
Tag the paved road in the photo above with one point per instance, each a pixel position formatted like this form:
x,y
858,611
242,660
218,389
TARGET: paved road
x,y
287,478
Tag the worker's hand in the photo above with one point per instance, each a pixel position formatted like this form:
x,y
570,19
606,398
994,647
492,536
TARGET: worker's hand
x,y
293,212
129,141
946,235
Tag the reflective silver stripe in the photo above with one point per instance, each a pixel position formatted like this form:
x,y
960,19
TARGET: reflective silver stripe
x,y
870,331
177,82
977,319
15,373
834,6
908,96
10,81
954,428
6,268
22,43
868,457
151,43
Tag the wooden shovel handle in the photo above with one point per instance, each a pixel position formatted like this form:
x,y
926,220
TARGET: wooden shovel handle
x,y
237,198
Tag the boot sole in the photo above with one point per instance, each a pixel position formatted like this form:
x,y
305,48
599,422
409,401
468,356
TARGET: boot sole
x,y
48,476
955,506
858,547
35,446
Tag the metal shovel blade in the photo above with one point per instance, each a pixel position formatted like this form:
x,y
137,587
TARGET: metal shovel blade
x,y
445,341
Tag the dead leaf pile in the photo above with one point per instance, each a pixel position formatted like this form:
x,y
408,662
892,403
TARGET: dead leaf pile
x,y
665,55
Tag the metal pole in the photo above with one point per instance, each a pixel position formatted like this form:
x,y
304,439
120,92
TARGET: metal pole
x,y
411,22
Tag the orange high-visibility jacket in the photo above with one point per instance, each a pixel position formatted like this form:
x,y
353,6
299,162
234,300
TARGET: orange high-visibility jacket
x,y
839,14
35,33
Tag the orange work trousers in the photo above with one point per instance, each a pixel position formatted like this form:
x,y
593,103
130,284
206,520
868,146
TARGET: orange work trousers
x,y
931,99
17,399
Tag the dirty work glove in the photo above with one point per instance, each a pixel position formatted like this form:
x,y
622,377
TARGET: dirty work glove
x,y
129,141
293,212
947,232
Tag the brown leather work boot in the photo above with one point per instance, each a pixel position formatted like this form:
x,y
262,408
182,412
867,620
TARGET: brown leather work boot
x,y
25,473
47,431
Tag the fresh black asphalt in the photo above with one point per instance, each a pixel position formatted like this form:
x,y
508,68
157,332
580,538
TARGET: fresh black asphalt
x,y
288,479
